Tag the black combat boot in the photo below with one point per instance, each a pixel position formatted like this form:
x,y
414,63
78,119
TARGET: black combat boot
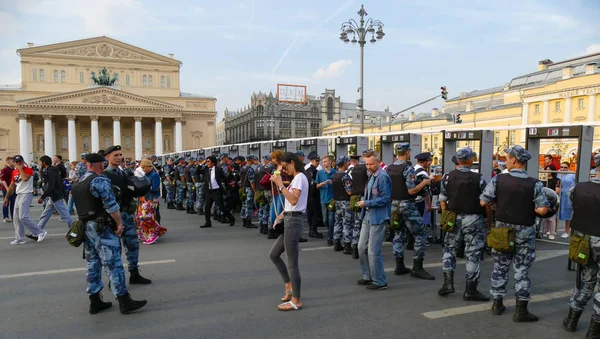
x,y
180,207
337,245
390,236
192,211
593,331
96,303
216,217
472,294
222,219
128,305
170,206
271,233
400,268
419,272
263,228
231,220
245,222
498,306
187,210
522,314
313,233
136,279
355,251
249,224
201,211
347,248
570,322
448,286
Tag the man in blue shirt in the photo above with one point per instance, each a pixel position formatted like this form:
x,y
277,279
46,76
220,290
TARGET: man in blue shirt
x,y
326,191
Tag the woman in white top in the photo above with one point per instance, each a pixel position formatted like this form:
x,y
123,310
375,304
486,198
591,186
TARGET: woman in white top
x,y
296,197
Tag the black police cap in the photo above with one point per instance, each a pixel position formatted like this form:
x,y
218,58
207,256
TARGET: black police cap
x,y
94,158
112,149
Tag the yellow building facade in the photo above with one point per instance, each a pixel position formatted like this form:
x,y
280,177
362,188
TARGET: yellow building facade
x,y
58,109
558,93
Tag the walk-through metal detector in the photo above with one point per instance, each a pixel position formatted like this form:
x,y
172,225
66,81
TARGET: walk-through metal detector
x,y
280,145
233,151
585,139
291,146
243,150
265,148
389,142
314,145
215,151
343,144
187,155
482,143
200,153
255,149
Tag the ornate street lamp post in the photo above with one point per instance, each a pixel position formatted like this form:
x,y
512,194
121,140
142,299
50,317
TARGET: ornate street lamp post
x,y
360,30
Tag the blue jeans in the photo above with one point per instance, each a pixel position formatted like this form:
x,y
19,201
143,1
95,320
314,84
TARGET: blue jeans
x,y
11,206
369,248
328,219
51,206
71,204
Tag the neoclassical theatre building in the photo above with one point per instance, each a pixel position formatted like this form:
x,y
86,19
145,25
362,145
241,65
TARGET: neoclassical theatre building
x,y
85,95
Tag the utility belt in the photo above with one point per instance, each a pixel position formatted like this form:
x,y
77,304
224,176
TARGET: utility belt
x,y
293,213
128,208
104,222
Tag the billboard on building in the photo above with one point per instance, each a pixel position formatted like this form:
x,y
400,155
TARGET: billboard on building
x,y
291,93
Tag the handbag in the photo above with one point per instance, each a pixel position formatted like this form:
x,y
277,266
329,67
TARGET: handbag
x,y
579,249
354,199
266,180
502,239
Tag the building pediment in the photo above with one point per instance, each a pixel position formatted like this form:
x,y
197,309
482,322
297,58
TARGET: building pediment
x,y
103,48
98,97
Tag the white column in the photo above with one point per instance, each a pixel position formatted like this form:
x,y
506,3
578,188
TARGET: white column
x,y
53,139
23,136
158,137
30,143
568,110
95,134
117,130
48,136
138,138
178,136
72,138
546,112
592,108
525,113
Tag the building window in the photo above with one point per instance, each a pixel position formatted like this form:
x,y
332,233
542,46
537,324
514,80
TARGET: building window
x,y
107,142
512,137
330,108
435,142
426,142
55,76
127,80
162,81
148,143
81,80
86,142
168,82
260,110
127,142
34,75
536,109
580,103
145,81
41,75
150,81
63,142
496,138
557,106
63,76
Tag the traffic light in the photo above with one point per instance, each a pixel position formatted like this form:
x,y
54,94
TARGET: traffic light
x,y
457,119
444,93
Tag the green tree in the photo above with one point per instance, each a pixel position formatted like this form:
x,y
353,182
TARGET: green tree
x,y
378,146
559,147
352,150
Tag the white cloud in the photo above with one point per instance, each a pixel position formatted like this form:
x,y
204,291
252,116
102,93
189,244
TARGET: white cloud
x,y
335,69
9,24
592,49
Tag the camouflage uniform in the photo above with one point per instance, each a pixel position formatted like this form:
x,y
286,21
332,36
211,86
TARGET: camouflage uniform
x,y
169,178
248,204
180,192
264,210
199,175
411,220
357,222
344,217
469,228
190,187
523,255
104,248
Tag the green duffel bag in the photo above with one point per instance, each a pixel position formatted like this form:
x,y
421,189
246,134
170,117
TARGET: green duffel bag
x,y
396,223
76,235
502,239
579,249
331,206
448,221
354,199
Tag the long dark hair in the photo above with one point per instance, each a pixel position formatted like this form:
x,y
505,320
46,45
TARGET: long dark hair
x,y
298,164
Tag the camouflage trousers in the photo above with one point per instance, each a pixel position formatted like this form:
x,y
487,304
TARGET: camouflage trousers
x,y
130,240
521,258
344,222
103,249
470,229
180,192
412,221
199,204
170,192
190,195
356,227
264,210
589,277
248,204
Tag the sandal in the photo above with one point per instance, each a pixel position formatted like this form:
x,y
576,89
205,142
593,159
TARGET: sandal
x,y
287,296
289,306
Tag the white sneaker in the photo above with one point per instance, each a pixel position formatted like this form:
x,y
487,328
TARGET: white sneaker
x,y
18,242
551,237
6,220
42,236
545,235
565,235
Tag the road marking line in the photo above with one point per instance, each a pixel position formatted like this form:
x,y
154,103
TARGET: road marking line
x,y
49,235
308,249
79,269
450,312
553,242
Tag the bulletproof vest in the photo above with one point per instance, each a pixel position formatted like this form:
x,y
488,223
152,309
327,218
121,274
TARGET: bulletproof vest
x,y
199,173
586,199
359,179
514,200
418,181
399,189
463,192
339,192
120,181
187,174
88,206
244,176
170,171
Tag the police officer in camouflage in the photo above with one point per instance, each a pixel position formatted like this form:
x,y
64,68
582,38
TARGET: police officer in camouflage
x,y
130,239
181,183
170,174
585,199
358,174
248,180
344,221
198,179
459,193
93,196
404,188
190,194
518,199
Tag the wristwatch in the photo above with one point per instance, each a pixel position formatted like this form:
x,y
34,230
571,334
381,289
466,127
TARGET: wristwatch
x,y
281,188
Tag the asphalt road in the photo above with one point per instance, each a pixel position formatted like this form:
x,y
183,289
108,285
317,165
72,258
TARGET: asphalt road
x,y
220,283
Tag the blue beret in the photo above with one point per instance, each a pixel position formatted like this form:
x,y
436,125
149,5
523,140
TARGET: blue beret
x,y
83,155
342,159
267,157
222,155
192,159
454,161
201,157
465,153
180,158
403,146
519,152
300,153
251,157
153,156
423,156
369,150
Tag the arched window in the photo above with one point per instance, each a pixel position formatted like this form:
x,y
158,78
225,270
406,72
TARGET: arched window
x,y
41,75
127,80
168,82
63,142
63,76
107,142
330,108
34,75
145,83
162,81
55,76
150,81
81,78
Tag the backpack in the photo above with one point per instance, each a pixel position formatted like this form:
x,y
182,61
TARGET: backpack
x,y
76,234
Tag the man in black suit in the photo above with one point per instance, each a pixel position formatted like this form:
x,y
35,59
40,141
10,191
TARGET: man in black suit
x,y
213,188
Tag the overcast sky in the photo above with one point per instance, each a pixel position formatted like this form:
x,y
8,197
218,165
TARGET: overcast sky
x,y
231,48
